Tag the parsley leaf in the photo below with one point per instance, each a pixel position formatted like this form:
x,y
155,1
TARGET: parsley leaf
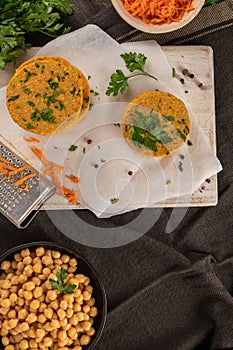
x,y
119,81
59,284
73,148
19,18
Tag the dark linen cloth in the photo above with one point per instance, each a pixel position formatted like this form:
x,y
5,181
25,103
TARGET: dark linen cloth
x,y
166,291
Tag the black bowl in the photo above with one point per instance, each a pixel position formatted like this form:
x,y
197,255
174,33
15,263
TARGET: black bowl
x,y
84,267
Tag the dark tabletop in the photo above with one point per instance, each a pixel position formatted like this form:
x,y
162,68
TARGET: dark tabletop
x,y
166,291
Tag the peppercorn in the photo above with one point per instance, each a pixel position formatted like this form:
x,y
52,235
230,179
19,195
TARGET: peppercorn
x,y
191,75
185,71
130,173
182,81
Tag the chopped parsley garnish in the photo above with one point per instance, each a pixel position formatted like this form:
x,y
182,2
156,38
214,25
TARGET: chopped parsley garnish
x,y
114,200
32,104
29,74
52,98
37,65
53,84
180,166
26,90
38,94
181,135
168,118
61,106
189,143
168,182
117,124
119,81
13,98
72,92
102,160
84,150
90,106
73,148
42,68
46,115
95,93
30,126
173,72
89,77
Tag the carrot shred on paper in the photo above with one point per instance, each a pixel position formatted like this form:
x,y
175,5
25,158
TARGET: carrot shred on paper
x,y
73,178
31,139
158,11
53,170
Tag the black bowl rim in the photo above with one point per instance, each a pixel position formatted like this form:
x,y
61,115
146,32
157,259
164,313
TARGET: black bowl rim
x,y
72,252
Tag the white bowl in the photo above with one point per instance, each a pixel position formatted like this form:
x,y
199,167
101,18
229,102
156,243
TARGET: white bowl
x,y
138,23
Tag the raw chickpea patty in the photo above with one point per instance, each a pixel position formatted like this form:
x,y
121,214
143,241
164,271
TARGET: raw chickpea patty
x,y
47,95
156,123
33,312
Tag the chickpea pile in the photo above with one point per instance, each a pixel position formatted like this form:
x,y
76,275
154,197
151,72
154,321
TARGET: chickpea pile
x,y
33,315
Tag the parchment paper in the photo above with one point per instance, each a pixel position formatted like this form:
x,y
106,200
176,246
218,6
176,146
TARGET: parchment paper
x,y
103,166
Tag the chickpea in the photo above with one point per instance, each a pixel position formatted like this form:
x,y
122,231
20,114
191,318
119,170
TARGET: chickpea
x,y
78,347
87,281
24,326
40,251
5,341
77,307
36,260
86,309
73,262
69,313
48,327
48,252
5,293
22,314
74,320
41,318
35,304
14,265
47,260
56,254
86,325
48,312
22,278
31,333
15,280
4,310
47,342
90,302
5,265
72,333
64,322
13,298
72,269
86,295
69,298
17,257
62,335
63,304
9,347
38,292
27,260
42,277
41,299
93,311
27,295
85,339
6,284
65,258
33,344
52,295
89,289
62,345
31,318
42,307
5,303
11,314
18,337
40,333
54,333
55,305
79,299
47,285
28,270
65,266
20,301
36,280
14,289
57,262
29,286
55,324
53,276
25,252
80,316
91,332
4,331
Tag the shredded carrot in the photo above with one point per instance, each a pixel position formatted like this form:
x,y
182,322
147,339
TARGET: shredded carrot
x,y
6,168
158,11
53,170
31,139
73,178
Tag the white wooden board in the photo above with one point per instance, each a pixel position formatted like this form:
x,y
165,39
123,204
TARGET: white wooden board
x,y
199,61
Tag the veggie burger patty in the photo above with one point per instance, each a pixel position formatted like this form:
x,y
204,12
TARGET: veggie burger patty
x,y
47,95
156,123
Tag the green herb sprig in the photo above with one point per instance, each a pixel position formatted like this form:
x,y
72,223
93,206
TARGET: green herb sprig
x,y
18,18
119,81
59,284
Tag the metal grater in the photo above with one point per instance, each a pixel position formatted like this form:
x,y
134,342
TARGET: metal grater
x,y
20,206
